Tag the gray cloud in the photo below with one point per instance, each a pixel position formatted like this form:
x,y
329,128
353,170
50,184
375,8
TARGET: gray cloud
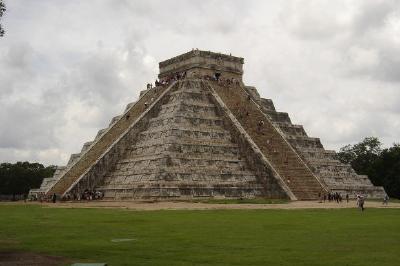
x,y
66,68
373,14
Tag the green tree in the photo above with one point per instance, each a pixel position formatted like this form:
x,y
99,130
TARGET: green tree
x,y
18,178
388,170
381,165
362,157
2,10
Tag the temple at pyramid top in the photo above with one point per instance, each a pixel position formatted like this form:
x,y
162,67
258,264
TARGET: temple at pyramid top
x,y
201,132
202,63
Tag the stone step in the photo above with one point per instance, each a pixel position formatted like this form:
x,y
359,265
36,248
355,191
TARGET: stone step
x,y
208,130
185,133
73,158
198,91
100,133
59,171
114,119
267,104
278,116
179,119
184,158
316,155
185,148
181,141
86,146
190,95
129,105
212,177
205,157
187,107
172,190
305,141
291,130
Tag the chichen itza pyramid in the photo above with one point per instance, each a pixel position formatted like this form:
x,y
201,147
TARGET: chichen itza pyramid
x,y
200,132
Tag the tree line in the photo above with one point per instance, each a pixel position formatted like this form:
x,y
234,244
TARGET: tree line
x,y
381,165
18,178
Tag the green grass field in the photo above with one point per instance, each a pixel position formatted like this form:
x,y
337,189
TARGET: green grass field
x,y
218,237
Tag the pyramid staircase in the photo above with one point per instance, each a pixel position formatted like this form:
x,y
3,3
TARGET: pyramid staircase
x,y
283,158
336,176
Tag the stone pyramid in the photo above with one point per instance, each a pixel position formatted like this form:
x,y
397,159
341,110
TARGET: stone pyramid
x,y
202,133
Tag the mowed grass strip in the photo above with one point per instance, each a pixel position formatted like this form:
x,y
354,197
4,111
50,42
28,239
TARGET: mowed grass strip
x,y
217,237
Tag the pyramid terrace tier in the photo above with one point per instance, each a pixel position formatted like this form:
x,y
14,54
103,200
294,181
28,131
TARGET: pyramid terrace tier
x,y
189,190
201,160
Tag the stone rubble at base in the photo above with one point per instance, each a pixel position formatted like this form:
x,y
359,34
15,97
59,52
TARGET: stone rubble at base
x,y
189,139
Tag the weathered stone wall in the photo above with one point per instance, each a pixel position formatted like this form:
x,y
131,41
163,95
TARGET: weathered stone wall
x,y
203,63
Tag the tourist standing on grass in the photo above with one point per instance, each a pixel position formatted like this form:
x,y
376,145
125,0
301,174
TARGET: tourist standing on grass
x,y
360,202
54,198
385,200
347,197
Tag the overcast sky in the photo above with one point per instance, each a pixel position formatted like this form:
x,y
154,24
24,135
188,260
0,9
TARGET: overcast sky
x,y
68,67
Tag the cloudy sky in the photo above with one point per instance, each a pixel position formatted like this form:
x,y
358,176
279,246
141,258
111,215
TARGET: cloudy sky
x,y
68,67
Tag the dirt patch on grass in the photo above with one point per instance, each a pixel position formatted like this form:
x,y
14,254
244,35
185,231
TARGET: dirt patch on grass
x,y
21,258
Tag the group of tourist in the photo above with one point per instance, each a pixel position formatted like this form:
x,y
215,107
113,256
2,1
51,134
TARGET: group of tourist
x,y
226,82
86,195
171,78
336,196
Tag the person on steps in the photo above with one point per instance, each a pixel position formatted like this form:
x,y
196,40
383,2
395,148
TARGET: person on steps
x,y
260,124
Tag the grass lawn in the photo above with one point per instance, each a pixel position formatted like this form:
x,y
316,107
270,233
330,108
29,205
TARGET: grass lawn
x,y
217,237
